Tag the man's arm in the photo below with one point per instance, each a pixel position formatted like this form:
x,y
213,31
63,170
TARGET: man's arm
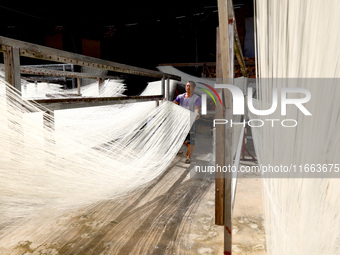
x,y
197,111
198,107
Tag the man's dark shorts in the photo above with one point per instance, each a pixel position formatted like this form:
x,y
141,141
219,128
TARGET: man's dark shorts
x,y
190,139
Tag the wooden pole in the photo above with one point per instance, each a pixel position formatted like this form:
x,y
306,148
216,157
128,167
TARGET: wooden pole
x,y
229,190
12,66
167,89
12,76
78,85
99,84
219,143
227,57
163,87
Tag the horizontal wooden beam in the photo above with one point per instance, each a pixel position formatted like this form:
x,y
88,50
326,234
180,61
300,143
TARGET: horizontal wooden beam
x,y
45,53
58,73
81,102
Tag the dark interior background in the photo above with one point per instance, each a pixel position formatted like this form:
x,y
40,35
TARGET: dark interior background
x,y
139,33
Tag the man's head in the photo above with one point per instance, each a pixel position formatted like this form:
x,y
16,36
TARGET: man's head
x,y
190,87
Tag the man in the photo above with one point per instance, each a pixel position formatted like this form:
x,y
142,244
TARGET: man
x,y
192,102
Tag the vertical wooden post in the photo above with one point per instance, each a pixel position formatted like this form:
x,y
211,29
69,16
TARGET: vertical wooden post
x,y
12,67
219,143
227,57
12,76
163,86
168,89
99,85
78,85
65,79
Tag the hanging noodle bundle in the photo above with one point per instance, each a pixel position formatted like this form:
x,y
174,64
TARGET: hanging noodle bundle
x,y
297,46
78,157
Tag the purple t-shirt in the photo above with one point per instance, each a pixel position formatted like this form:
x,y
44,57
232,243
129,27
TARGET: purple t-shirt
x,y
185,102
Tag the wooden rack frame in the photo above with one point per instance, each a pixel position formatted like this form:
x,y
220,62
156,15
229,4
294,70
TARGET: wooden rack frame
x,y
14,49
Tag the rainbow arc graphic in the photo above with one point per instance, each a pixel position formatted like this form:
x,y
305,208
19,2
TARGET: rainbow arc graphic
x,y
204,98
